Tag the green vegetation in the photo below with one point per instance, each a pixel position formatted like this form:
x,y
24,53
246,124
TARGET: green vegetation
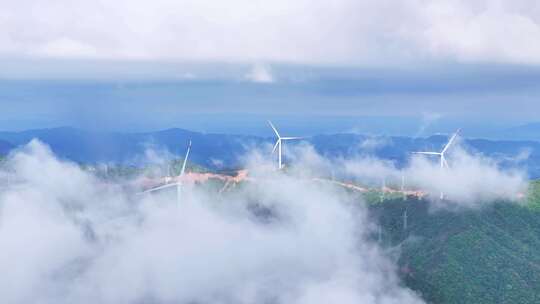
x,y
533,197
375,196
491,255
176,167
119,172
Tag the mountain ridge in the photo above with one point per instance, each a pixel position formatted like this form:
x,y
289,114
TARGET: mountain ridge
x,y
88,146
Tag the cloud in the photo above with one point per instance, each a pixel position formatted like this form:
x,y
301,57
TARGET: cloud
x,y
471,181
344,31
374,143
471,31
68,237
260,74
428,119
370,169
67,48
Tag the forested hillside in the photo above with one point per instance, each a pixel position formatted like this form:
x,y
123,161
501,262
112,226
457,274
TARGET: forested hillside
x,y
490,255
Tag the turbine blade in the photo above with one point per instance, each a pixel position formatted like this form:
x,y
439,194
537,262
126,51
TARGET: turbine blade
x,y
427,153
274,128
185,160
445,163
276,145
159,188
286,138
451,141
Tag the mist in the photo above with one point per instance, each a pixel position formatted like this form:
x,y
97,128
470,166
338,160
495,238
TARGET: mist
x,y
69,237
472,180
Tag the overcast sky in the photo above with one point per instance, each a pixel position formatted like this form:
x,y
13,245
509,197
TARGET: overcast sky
x,y
338,31
343,57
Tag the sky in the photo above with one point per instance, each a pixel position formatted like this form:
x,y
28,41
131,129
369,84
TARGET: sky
x,y
135,65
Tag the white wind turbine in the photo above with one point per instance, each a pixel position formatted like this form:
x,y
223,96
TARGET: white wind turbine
x,y
383,187
279,142
405,219
443,162
403,186
178,182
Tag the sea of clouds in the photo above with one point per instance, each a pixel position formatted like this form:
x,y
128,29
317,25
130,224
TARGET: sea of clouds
x,y
69,237
470,181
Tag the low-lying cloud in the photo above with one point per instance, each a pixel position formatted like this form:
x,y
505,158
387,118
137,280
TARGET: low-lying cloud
x,y
260,73
472,180
68,237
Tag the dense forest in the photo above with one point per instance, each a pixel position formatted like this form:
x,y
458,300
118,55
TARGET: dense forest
x,y
488,255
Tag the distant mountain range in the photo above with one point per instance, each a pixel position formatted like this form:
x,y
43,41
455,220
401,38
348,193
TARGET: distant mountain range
x,y
129,148
527,131
219,151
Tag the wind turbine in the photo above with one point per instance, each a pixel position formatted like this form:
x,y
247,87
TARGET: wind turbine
x,y
168,172
405,220
278,144
443,162
403,186
178,182
383,186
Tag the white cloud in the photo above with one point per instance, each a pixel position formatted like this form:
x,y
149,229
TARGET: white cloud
x,y
67,237
66,48
483,30
370,169
471,181
428,118
260,74
374,143
342,31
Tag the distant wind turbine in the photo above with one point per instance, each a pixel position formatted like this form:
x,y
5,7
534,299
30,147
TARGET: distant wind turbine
x,y
443,162
178,182
403,186
405,220
168,175
383,186
278,144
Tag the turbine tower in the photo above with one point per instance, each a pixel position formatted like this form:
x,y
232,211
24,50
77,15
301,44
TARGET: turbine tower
x,y
443,162
179,180
403,186
405,220
278,144
383,186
